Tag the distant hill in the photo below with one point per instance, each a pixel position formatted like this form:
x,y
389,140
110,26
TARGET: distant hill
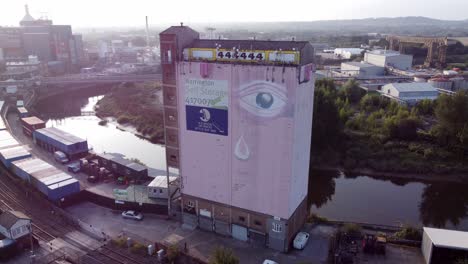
x,y
397,25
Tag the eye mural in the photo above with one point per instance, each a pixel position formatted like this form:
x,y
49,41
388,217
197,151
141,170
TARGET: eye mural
x,y
263,99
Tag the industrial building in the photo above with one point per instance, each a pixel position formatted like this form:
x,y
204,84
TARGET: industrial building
x,y
50,181
54,139
441,246
238,119
39,37
361,69
14,225
388,58
123,167
8,155
410,93
347,53
30,124
7,140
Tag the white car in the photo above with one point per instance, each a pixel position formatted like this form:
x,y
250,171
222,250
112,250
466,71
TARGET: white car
x,y
267,261
132,215
301,240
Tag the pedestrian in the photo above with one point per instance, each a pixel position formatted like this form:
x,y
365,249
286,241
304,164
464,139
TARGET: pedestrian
x,y
185,246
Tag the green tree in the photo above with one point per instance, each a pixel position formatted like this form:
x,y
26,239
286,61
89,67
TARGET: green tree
x,y
452,116
352,91
327,126
425,107
222,255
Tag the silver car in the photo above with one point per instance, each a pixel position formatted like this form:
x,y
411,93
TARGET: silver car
x,y
132,215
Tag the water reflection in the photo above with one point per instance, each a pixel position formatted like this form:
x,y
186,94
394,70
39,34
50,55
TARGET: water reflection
x,y
349,197
444,204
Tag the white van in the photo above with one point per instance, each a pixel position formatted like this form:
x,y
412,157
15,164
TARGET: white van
x,y
60,157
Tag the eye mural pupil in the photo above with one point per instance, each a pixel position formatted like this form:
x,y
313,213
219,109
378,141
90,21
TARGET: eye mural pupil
x,y
264,100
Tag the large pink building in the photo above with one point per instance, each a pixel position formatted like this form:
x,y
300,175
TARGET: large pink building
x,y
238,117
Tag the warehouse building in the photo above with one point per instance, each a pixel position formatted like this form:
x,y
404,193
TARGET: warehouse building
x,y
30,124
50,181
348,53
441,246
123,167
389,58
410,93
54,139
238,118
8,155
157,188
361,69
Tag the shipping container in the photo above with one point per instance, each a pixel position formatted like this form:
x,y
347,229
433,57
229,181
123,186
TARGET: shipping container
x,y
30,124
4,134
63,189
20,103
9,143
22,112
8,155
53,139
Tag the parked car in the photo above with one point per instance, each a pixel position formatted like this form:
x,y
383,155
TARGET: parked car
x,y
301,240
132,215
267,261
74,167
60,157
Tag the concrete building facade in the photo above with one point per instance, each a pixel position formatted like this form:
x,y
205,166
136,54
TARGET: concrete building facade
x,y
386,58
361,69
238,117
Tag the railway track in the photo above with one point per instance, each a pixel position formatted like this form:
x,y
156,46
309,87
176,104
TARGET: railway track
x,y
106,255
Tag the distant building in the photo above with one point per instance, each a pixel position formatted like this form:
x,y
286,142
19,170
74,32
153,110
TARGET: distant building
x,y
410,93
238,119
348,53
361,69
387,58
441,246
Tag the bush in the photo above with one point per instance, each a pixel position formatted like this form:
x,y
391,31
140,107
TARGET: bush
x,y
409,233
222,255
123,119
121,242
314,218
102,122
138,248
352,229
172,253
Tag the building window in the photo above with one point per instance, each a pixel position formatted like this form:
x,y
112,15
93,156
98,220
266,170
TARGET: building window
x,y
277,228
160,190
258,223
241,218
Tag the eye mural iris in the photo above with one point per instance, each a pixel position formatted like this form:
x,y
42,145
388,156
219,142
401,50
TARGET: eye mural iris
x,y
263,99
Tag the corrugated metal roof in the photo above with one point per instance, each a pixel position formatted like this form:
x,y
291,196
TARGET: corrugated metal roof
x,y
448,238
32,165
46,172
122,161
5,135
33,120
249,44
55,179
361,64
412,87
160,181
61,184
8,143
18,151
9,218
22,110
60,136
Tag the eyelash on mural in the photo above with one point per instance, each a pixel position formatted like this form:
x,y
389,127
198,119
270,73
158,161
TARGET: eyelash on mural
x,y
263,99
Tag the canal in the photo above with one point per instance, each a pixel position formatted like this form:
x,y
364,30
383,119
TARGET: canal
x,y
332,194
64,112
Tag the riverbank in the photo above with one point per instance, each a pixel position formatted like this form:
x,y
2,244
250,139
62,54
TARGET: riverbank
x,y
427,177
136,108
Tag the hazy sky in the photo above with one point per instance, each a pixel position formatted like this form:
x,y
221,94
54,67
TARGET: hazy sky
x,y
95,13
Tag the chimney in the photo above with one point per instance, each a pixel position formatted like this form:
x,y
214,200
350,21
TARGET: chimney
x,y
147,33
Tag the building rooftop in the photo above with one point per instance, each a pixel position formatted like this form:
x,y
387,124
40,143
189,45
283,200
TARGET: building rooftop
x,y
9,218
386,53
32,120
249,44
161,181
179,30
413,87
59,135
448,238
360,64
119,159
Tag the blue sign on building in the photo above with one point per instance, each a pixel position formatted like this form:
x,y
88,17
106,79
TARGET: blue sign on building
x,y
207,120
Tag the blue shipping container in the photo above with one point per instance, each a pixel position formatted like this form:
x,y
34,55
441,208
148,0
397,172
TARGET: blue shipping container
x,y
7,156
61,140
63,189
